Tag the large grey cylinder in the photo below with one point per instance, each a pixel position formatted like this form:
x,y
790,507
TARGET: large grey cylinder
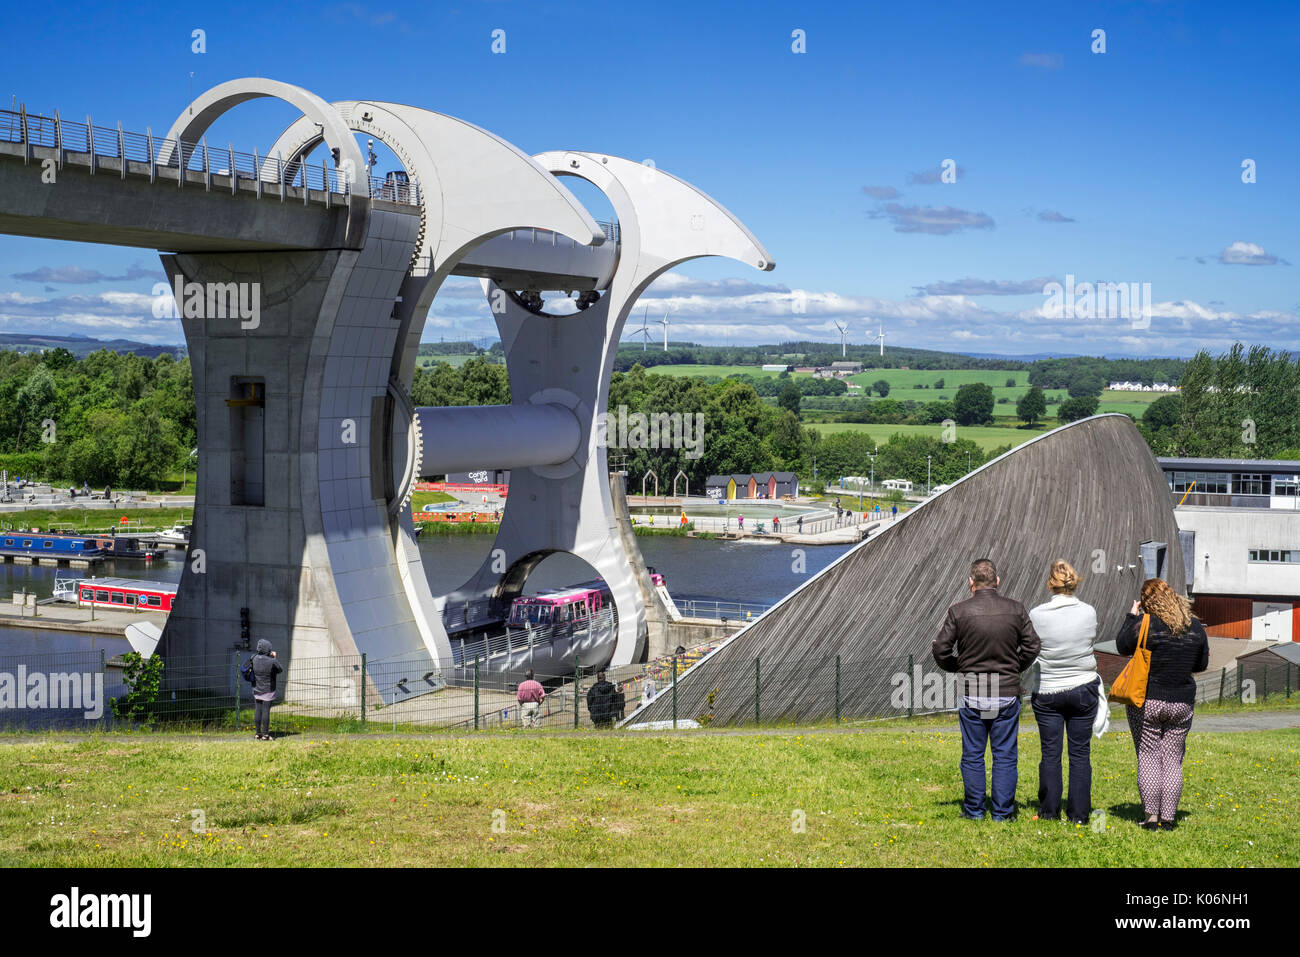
x,y
465,438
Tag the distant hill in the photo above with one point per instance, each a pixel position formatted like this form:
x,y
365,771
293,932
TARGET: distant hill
x,y
82,346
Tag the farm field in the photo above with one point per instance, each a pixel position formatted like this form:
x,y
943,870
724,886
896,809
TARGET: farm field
x,y
985,436
455,361
903,382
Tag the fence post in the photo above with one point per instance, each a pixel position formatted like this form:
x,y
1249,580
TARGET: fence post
x,y
1288,681
1264,679
238,691
363,687
758,686
674,692
1223,681
837,689
103,677
577,672
1239,670
911,692
475,694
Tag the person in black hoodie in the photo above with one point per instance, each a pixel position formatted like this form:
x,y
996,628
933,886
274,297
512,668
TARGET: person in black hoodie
x,y
600,701
265,668
1179,648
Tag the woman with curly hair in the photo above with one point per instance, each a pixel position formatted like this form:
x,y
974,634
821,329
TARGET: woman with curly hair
x,y
1179,648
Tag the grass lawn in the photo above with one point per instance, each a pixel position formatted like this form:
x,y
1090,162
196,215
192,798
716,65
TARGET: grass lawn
x,y
867,798
98,519
422,500
985,436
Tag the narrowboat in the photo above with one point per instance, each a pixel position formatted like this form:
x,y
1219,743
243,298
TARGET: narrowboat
x,y
128,546
50,547
126,594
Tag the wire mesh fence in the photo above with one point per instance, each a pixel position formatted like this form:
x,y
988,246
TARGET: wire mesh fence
x,y
84,690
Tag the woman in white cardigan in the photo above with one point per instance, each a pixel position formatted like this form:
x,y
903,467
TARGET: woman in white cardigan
x,y
1066,694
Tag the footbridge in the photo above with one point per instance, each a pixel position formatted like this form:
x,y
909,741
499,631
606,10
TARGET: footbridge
x,y
309,444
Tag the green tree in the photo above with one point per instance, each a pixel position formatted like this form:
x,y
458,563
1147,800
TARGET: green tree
x,y
789,397
974,404
1081,407
1031,406
881,387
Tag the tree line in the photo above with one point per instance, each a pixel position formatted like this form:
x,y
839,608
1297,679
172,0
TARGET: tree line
x,y
108,419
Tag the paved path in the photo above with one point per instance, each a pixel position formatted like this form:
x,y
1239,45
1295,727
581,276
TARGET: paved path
x,y
1247,721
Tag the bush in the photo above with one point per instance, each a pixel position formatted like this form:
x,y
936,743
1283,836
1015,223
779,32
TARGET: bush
x,y
142,677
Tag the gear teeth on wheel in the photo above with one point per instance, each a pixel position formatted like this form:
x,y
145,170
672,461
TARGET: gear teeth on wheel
x,y
417,459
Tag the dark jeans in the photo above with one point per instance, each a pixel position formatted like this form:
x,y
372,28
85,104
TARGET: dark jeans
x,y
262,716
1068,713
977,733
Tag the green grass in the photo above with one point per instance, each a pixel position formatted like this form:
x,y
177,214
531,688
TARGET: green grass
x,y
868,798
902,383
460,528
98,519
455,361
985,436
421,500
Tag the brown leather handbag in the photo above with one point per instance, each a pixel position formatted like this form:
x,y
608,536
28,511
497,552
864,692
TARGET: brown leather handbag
x,y
1131,685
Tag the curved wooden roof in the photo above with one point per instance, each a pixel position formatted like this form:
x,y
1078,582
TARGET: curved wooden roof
x,y
1089,492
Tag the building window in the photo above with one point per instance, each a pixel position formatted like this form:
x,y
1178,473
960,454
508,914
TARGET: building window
x,y
1248,483
1286,485
1276,556
1209,482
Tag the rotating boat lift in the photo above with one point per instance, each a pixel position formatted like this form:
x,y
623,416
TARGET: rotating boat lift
x,y
326,558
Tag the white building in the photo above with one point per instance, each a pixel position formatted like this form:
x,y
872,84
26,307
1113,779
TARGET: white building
x,y
1239,525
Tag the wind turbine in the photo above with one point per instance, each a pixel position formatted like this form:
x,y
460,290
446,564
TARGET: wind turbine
x,y
881,336
843,331
645,329
664,320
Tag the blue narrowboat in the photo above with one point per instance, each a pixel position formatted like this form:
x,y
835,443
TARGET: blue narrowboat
x,y
49,547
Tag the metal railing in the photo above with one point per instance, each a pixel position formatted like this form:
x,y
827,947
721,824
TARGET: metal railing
x,y
730,610
509,641
266,173
409,693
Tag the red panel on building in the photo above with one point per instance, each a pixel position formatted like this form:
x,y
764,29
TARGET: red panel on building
x,y
1224,617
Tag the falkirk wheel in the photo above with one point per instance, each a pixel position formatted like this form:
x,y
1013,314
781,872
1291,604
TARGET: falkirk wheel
x,y
309,444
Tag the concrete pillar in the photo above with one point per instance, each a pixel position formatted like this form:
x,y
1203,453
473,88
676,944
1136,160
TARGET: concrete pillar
x,y
291,516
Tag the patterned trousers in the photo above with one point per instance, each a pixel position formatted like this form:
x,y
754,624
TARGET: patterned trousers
x,y
1160,736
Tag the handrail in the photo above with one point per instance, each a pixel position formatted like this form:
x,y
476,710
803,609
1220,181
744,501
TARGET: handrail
x,y
508,642
33,129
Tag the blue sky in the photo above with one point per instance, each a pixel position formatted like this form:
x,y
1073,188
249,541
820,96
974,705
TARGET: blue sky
x,y
1122,166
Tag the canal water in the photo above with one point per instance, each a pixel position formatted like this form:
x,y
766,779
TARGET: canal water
x,y
694,569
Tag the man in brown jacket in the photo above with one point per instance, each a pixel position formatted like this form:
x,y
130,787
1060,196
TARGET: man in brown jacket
x,y
989,640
